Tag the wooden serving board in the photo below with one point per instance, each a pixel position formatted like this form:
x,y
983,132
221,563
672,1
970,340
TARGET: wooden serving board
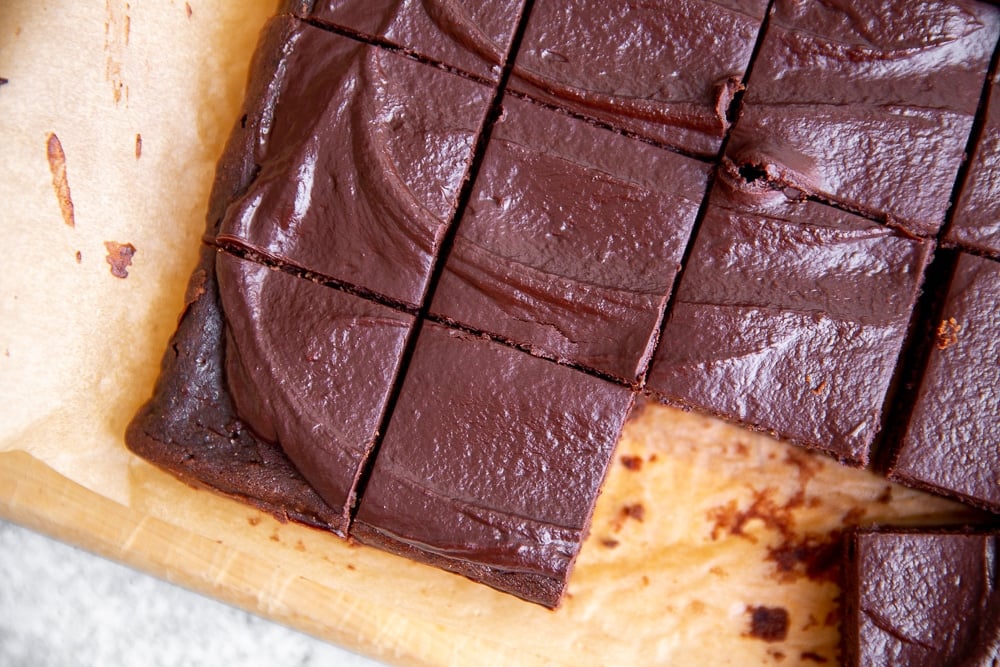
x,y
112,120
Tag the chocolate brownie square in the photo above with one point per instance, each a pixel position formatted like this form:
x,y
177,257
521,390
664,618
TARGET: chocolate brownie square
x,y
789,317
952,442
921,598
868,104
976,224
310,368
469,36
190,426
491,463
358,157
664,70
571,240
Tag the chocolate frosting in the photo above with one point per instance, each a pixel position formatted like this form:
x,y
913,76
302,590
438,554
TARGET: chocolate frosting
x,y
378,144
868,107
190,426
976,224
469,36
344,172
493,459
951,442
310,368
922,599
665,70
789,317
578,274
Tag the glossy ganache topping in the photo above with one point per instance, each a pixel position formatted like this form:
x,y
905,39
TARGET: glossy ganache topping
x,y
470,36
976,224
789,317
840,103
309,368
951,440
923,599
666,70
579,274
494,458
360,157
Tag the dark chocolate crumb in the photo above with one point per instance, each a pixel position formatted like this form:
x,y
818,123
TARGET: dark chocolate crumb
x,y
812,556
633,463
119,257
776,516
885,497
768,623
4,81
79,256
634,511
187,9
138,146
609,542
350,566
853,516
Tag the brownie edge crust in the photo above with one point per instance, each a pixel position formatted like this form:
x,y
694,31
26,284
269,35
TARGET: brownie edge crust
x,y
190,427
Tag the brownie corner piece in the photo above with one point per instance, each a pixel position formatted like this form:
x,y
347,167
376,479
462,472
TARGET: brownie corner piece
x,y
921,597
952,441
492,463
668,76
311,368
578,274
473,37
357,162
190,427
866,105
789,318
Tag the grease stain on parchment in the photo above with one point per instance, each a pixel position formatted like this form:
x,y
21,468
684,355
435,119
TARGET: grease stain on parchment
x,y
57,165
117,26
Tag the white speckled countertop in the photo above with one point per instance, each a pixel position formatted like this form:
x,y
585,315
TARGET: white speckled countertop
x,y
63,606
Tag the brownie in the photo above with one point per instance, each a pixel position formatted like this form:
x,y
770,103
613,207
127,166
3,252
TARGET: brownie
x,y
868,104
789,317
358,161
403,262
976,223
664,70
310,368
492,463
580,274
190,426
922,598
952,440
470,36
